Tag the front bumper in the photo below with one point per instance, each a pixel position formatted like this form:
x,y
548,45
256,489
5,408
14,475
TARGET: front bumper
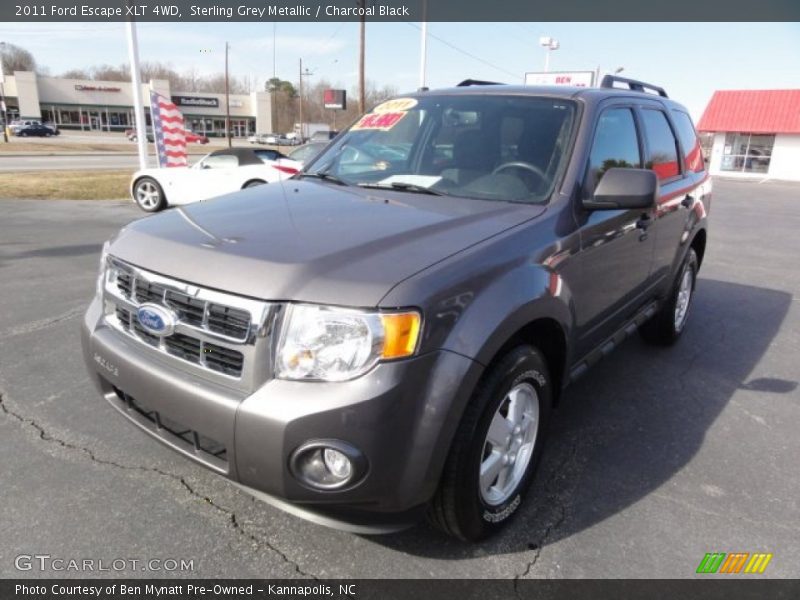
x,y
401,416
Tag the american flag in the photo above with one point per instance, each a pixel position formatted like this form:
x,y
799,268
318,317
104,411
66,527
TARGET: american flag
x,y
168,132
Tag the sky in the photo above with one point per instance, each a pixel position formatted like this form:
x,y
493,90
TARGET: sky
x,y
690,60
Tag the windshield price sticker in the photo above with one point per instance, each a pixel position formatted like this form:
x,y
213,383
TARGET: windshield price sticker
x,y
398,104
383,121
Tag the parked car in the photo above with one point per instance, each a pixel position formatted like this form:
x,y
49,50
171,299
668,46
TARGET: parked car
x,y
191,137
217,173
34,129
388,335
320,136
305,153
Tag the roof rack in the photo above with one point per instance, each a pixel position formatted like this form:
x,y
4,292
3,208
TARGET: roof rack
x,y
633,84
469,82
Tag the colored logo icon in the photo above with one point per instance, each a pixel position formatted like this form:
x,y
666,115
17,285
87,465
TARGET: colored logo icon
x,y
735,562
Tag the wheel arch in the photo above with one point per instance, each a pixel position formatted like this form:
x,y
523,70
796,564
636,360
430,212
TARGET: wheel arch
x,y
254,180
547,335
699,245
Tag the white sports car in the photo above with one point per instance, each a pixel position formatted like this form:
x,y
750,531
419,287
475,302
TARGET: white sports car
x,y
217,173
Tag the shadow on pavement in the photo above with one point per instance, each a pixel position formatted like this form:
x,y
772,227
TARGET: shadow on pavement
x,y
633,422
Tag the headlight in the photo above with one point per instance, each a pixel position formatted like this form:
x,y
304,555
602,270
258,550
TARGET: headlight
x,y
101,275
334,344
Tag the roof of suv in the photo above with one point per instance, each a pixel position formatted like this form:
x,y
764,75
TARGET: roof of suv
x,y
589,94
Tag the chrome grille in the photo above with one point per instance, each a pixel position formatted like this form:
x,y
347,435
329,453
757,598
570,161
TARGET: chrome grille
x,y
222,336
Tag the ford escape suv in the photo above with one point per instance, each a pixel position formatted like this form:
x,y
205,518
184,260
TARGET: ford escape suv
x,y
386,334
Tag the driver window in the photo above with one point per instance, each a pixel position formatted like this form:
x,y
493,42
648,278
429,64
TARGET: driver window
x,y
615,145
220,161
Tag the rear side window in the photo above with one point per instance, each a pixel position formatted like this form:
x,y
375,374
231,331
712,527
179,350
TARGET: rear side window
x,y
221,161
615,145
662,145
688,137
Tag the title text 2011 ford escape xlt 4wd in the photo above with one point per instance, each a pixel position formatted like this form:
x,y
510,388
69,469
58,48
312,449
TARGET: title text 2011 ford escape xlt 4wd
x,y
387,333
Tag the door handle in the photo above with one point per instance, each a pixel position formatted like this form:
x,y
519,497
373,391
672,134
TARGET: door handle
x,y
687,201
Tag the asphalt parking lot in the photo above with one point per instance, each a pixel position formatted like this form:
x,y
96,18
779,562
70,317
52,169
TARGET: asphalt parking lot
x,y
656,457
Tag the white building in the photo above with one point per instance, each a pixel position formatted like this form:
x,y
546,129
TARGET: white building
x,y
108,105
756,133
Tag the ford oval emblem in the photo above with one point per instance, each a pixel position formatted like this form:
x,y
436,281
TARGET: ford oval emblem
x,y
156,319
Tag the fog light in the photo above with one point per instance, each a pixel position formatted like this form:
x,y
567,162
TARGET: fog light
x,y
328,464
337,463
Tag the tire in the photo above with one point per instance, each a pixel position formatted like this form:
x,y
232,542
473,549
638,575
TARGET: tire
x,y
149,195
465,505
669,322
253,183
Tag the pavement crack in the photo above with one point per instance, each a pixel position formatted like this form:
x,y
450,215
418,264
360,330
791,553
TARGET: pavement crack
x,y
41,323
231,516
553,499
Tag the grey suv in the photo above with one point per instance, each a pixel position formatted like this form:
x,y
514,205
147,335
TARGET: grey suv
x,y
386,334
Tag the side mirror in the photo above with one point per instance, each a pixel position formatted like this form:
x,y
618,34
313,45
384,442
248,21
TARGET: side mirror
x,y
624,189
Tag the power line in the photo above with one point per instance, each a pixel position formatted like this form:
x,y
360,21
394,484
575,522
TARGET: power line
x,y
464,52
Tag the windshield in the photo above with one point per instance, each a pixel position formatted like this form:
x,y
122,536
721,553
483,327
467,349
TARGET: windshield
x,y
508,148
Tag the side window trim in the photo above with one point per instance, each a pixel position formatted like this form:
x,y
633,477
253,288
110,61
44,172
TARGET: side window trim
x,y
678,149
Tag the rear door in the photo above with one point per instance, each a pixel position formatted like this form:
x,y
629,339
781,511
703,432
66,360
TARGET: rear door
x,y
673,152
616,245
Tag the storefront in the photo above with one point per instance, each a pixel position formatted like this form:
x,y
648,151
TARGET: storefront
x,y
108,105
756,133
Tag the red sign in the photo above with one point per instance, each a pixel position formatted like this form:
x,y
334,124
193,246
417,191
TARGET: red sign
x,y
383,121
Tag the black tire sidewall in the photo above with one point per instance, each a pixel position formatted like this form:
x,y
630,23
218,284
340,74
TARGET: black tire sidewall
x,y
523,364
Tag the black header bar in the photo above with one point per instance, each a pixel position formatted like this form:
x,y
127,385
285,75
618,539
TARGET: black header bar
x,y
50,11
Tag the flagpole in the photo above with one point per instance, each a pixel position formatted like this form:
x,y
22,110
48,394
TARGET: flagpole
x,y
141,129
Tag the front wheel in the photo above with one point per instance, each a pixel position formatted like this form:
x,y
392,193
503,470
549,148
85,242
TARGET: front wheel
x,y
496,448
668,324
148,194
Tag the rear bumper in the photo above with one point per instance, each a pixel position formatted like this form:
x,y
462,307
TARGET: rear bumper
x,y
401,416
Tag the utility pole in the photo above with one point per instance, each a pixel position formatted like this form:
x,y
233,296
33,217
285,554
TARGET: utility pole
x,y
300,98
3,97
423,52
227,100
307,73
273,88
362,97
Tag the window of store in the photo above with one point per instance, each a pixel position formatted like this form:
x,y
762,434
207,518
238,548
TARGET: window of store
x,y
747,152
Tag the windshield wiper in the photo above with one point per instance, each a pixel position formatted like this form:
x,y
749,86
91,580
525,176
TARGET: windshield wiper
x,y
325,176
402,187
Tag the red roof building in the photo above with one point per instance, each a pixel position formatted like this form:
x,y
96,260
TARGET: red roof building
x,y
756,133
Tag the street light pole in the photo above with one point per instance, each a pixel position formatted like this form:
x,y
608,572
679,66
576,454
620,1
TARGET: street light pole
x,y
549,44
227,100
362,95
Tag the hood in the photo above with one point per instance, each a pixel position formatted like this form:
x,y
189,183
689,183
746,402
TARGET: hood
x,y
311,241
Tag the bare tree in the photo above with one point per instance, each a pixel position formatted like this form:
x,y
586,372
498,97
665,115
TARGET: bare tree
x,y
16,59
76,74
110,73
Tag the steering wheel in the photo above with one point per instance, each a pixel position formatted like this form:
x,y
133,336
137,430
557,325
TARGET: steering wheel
x,y
518,164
